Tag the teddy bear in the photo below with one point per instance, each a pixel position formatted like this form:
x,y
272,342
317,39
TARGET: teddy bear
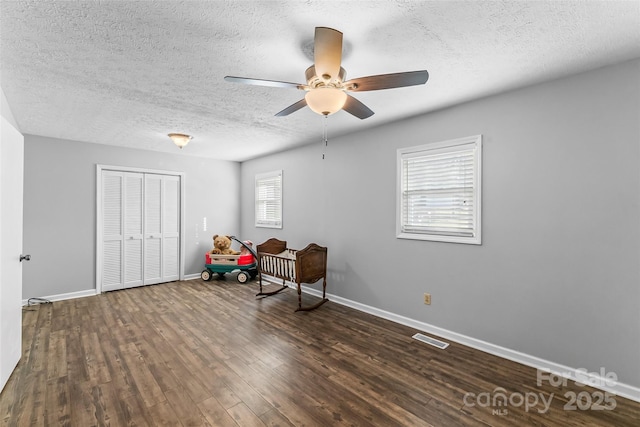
x,y
222,245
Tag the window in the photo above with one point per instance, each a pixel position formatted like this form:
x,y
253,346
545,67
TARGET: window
x,y
439,191
269,199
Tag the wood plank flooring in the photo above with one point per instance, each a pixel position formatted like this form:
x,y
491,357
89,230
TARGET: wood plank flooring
x,y
208,353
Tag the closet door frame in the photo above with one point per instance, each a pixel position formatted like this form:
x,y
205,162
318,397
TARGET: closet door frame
x,y
99,214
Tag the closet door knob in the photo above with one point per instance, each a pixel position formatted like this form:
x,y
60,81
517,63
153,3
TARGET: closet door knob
x,y
25,258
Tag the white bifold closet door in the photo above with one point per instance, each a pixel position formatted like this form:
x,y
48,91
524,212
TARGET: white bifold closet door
x,y
161,228
141,229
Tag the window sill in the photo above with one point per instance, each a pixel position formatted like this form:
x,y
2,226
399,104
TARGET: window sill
x,y
475,240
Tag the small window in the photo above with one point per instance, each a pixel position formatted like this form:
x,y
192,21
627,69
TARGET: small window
x,y
439,191
269,199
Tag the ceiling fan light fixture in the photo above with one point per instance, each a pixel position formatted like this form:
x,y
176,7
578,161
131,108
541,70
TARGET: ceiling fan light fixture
x,y
327,87
325,100
180,139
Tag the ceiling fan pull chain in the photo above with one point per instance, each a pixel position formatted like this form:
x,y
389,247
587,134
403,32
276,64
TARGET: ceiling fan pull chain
x,y
325,138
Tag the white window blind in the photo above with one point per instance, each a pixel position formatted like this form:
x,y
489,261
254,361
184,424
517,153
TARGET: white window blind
x,y
269,199
439,191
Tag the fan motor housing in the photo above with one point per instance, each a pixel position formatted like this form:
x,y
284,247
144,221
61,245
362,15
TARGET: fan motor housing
x,y
314,81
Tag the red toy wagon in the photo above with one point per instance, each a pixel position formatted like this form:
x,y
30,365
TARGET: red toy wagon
x,y
245,263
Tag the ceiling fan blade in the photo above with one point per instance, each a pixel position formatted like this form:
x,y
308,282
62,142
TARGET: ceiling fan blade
x,y
357,108
292,108
261,82
327,52
387,81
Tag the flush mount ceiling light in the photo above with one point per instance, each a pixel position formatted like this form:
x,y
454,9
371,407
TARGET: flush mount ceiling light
x,y
180,139
327,88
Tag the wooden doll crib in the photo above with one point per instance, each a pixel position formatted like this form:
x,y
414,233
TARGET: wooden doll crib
x,y
307,265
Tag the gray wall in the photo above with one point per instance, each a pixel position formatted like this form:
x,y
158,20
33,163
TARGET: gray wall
x,y
557,275
60,208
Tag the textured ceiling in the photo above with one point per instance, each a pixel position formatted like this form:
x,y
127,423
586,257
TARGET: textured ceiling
x,y
128,72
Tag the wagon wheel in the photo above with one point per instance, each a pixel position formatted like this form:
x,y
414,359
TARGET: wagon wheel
x,y
243,277
205,275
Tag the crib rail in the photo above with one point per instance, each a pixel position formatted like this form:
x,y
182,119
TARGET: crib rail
x,y
267,262
282,267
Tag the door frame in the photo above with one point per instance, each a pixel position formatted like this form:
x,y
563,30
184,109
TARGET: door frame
x,y
99,169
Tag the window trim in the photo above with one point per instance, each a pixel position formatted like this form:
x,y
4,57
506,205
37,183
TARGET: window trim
x,y
442,146
264,223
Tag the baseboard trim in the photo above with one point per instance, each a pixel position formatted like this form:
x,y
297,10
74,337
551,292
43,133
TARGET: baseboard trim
x,y
70,295
88,293
573,374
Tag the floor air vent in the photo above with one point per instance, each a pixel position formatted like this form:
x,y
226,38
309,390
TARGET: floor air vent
x,y
432,341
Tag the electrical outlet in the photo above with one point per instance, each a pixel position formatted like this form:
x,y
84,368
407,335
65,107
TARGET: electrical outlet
x,y
427,299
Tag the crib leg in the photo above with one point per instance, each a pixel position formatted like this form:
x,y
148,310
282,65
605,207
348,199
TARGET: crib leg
x,y
312,307
324,287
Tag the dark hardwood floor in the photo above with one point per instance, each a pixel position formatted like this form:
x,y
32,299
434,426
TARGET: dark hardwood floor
x,y
208,353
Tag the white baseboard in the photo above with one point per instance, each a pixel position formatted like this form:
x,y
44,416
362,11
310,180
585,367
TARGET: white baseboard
x,y
60,297
572,374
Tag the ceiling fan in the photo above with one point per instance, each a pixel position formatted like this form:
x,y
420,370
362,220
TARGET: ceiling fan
x,y
327,90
